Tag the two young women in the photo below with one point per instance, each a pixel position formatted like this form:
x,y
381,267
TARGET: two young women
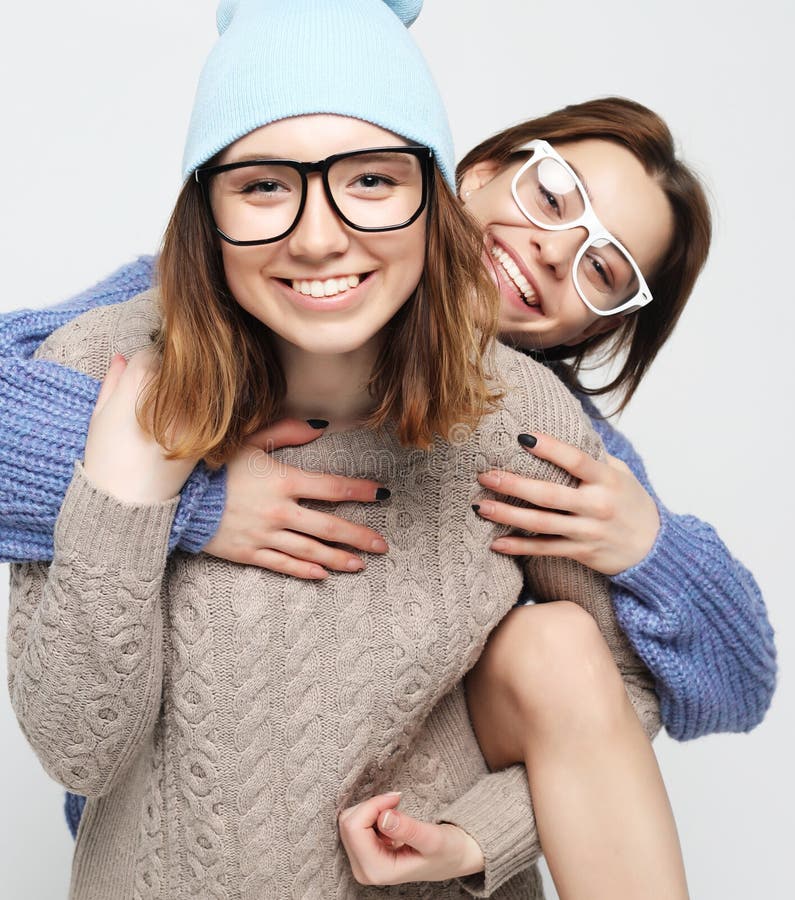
x,y
345,653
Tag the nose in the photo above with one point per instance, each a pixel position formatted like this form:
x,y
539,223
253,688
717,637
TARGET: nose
x,y
556,250
320,232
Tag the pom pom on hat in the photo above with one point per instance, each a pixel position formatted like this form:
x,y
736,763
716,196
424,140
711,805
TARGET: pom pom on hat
x,y
276,59
406,10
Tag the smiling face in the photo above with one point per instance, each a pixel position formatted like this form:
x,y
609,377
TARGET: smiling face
x,y
540,307
325,288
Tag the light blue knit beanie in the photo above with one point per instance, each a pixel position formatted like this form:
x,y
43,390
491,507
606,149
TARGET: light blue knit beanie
x,y
280,58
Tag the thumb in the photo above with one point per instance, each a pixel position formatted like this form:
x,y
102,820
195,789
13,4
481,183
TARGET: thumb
x,y
287,433
111,380
401,829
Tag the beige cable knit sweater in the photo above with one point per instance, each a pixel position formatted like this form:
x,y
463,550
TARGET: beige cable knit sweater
x,y
218,716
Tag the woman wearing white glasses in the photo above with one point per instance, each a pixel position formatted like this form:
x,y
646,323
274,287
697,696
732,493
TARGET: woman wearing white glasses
x,y
596,233
569,285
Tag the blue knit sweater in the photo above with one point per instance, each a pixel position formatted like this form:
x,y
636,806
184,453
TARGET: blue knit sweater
x,y
44,415
693,613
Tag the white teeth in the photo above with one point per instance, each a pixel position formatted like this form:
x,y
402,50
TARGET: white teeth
x,y
512,271
328,288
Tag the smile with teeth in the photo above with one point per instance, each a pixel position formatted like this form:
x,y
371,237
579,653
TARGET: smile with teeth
x,y
329,287
512,271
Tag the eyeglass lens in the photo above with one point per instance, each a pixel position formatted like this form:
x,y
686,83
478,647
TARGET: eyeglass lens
x,y
374,190
550,196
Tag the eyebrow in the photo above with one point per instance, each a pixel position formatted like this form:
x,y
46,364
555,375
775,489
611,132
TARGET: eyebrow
x,y
378,155
584,183
256,157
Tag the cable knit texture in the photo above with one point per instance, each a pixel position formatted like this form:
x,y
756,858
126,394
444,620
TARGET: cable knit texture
x,y
219,716
681,607
45,410
692,612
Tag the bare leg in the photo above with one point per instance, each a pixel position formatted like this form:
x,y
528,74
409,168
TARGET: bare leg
x,y
547,693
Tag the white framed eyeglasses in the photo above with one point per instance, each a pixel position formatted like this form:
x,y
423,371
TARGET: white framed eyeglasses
x,y
551,196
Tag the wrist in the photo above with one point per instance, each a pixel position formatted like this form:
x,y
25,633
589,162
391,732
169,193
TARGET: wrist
x,y
467,851
141,486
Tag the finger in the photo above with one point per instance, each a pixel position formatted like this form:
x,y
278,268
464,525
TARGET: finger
x,y
331,529
537,521
532,490
372,859
285,433
111,380
285,564
309,550
335,488
365,814
423,837
538,546
616,464
388,842
575,461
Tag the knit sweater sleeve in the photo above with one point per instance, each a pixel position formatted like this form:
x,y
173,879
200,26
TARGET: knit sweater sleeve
x,y
85,653
695,616
85,661
45,408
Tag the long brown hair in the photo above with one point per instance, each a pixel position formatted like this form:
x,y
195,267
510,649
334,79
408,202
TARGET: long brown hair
x,y
220,378
639,337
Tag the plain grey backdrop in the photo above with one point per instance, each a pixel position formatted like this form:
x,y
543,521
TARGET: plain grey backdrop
x,y
95,103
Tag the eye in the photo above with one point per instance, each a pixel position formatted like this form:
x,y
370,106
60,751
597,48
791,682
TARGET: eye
x,y
370,181
600,270
263,187
549,200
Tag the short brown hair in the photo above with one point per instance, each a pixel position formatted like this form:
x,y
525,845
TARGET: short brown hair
x,y
429,377
639,337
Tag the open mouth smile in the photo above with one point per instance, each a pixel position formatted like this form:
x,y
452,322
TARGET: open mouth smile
x,y
514,275
327,287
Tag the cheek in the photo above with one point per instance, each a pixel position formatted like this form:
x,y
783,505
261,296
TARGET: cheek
x,y
233,265
243,265
417,261
406,255
484,207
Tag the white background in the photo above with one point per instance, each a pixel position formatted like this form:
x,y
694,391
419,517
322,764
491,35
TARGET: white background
x,y
95,103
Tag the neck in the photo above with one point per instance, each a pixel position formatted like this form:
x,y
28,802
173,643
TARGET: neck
x,y
331,387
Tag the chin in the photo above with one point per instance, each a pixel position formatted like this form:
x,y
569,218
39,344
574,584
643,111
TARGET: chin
x,y
321,344
520,340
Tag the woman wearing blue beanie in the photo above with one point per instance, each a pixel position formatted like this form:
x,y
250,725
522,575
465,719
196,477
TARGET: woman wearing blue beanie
x,y
217,716
214,122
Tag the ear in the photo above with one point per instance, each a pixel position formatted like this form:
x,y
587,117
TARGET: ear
x,y
478,176
599,326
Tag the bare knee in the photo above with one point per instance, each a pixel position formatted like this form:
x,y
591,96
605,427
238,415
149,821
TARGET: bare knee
x,y
546,670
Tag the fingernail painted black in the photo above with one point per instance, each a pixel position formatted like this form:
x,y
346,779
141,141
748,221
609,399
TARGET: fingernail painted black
x,y
317,424
527,440
383,494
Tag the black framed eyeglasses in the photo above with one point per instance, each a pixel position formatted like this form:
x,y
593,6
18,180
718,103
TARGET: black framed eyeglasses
x,y
259,201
